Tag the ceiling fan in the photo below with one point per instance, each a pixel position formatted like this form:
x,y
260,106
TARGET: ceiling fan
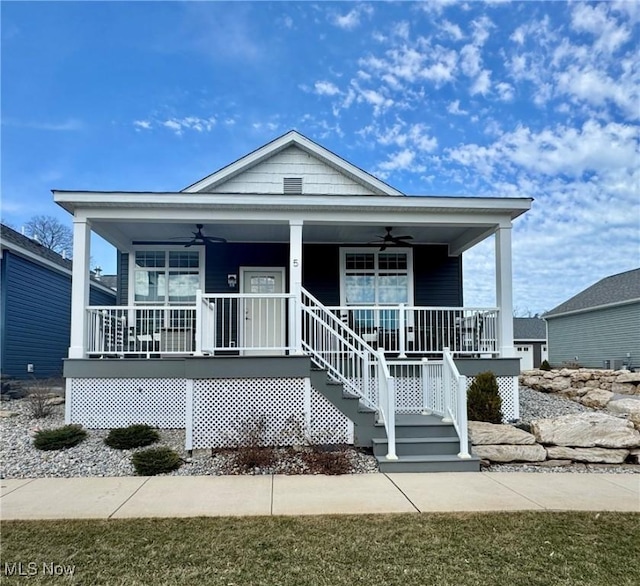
x,y
389,240
200,238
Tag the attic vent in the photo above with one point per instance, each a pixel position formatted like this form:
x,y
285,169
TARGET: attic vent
x,y
292,185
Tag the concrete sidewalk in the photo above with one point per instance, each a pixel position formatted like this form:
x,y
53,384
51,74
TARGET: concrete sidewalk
x,y
190,496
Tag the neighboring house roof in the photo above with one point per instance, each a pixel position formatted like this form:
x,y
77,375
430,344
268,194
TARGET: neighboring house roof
x,y
292,138
614,290
110,281
33,250
529,328
13,239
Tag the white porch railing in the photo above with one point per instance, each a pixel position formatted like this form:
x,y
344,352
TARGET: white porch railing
x,y
349,360
455,400
247,323
244,322
411,330
141,329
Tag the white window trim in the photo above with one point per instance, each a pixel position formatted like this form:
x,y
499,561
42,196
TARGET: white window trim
x,y
160,248
344,250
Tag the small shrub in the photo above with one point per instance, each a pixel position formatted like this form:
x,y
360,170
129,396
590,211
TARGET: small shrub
x,y
483,400
38,404
321,461
134,436
154,461
250,457
59,438
545,365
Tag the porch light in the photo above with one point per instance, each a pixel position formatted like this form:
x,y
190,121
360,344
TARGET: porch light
x,y
232,281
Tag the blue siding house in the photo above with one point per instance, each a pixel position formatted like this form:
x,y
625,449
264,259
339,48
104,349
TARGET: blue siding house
x,y
292,285
35,307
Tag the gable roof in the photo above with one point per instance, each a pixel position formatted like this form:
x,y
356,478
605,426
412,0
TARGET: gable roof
x,y
613,290
33,250
292,138
12,240
529,328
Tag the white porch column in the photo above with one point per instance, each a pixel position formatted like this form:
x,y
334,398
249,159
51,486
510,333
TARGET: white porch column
x,y
295,284
504,293
79,286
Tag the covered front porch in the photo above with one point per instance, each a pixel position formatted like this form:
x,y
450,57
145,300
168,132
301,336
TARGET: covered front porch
x,y
369,289
240,289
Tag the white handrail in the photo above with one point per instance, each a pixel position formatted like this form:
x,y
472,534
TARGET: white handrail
x,y
418,330
455,392
350,360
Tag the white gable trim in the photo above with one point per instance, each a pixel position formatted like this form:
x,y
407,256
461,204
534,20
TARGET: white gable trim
x,y
293,138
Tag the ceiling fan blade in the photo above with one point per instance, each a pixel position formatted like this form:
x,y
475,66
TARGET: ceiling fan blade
x,y
214,239
402,237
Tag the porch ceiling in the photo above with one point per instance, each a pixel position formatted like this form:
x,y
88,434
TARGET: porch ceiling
x,y
350,234
126,218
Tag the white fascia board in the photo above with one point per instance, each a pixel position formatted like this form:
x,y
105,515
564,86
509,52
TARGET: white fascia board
x,y
590,309
500,208
290,139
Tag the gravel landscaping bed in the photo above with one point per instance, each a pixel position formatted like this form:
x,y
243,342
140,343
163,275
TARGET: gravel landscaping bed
x,y
19,459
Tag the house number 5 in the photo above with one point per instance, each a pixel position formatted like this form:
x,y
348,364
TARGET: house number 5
x,y
295,262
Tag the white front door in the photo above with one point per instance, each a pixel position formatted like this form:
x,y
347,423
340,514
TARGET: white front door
x,y
264,315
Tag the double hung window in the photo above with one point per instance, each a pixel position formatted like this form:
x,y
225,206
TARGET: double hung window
x,y
376,278
167,277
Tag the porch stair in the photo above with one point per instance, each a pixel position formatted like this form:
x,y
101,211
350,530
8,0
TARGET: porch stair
x,y
364,418
424,443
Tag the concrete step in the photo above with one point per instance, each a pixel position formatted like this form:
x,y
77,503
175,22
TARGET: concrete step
x,y
441,463
431,446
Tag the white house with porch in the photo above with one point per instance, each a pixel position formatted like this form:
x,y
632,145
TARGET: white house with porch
x,y
292,286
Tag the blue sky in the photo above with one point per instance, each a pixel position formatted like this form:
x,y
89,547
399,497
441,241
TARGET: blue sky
x,y
533,99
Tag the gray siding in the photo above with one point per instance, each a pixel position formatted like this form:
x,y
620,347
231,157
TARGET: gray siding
x,y
123,278
596,336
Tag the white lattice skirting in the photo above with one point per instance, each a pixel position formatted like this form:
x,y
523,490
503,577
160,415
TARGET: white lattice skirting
x,y
105,403
508,389
215,412
226,412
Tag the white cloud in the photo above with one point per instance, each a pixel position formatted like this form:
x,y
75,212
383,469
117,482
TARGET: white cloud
x,y
401,29
454,108
452,30
352,19
179,125
403,160
562,150
482,83
608,35
326,88
142,124
505,91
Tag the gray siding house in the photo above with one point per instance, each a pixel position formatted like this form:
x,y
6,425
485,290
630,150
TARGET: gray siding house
x,y
530,341
599,327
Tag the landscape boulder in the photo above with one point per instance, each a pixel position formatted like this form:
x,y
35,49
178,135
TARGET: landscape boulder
x,y
596,398
481,433
592,455
586,430
510,453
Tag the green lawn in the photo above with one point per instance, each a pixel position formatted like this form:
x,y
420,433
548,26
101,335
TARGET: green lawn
x,y
419,549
